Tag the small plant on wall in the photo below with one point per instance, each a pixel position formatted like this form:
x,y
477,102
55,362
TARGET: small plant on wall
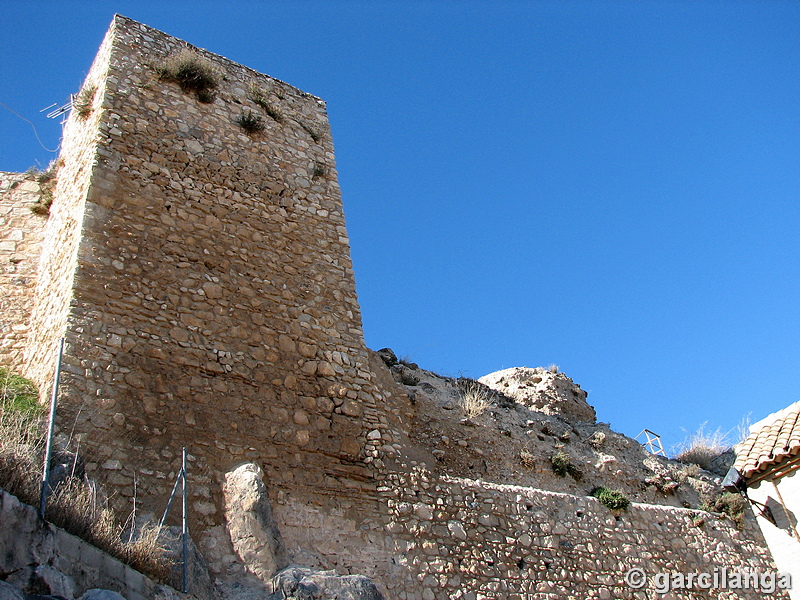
x,y
47,183
82,104
613,499
727,503
315,135
251,123
562,466
261,98
319,170
192,72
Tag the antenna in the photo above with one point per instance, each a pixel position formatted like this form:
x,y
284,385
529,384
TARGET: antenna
x,y
53,114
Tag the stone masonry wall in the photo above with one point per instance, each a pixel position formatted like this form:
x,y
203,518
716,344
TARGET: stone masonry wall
x,y
473,540
210,296
20,241
62,235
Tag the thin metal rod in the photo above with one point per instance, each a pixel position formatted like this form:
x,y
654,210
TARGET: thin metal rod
x,y
786,512
171,498
50,429
185,530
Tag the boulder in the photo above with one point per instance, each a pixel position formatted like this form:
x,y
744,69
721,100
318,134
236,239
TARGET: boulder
x,y
9,592
544,390
388,356
253,532
300,583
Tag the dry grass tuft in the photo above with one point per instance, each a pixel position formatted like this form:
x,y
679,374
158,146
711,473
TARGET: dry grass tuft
x,y
527,458
732,505
701,448
21,451
21,441
84,101
261,98
474,400
192,73
251,123
75,504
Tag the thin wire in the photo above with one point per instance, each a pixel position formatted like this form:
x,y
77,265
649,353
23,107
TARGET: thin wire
x,y
32,126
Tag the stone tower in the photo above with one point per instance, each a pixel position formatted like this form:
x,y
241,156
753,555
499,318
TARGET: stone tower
x,y
201,276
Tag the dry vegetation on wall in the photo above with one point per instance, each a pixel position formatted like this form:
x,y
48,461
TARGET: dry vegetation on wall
x,y
75,504
192,72
84,100
474,399
731,505
47,183
261,98
251,123
701,447
562,466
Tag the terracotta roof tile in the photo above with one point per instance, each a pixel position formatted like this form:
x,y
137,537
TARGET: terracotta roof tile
x,y
770,441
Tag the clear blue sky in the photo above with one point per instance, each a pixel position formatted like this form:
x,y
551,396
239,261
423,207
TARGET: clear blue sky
x,y
612,187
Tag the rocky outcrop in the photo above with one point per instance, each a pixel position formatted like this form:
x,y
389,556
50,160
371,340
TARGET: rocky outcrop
x,y
298,583
544,390
252,530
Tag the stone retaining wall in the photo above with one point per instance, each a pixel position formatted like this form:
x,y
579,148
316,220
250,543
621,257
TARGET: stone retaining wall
x,y
474,540
202,278
30,547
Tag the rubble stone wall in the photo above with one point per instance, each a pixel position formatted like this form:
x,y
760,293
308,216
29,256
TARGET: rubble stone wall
x,y
474,540
20,242
201,276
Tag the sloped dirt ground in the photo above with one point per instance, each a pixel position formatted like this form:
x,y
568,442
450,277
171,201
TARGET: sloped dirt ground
x,y
515,441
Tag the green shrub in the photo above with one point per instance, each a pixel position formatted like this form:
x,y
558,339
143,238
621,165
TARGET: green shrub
x,y
250,123
613,499
18,394
727,503
562,466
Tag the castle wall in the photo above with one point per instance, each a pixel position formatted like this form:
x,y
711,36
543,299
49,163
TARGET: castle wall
x,y
474,540
210,293
53,295
20,240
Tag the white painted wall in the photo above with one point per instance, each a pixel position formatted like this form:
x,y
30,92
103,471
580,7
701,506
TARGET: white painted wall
x,y
784,546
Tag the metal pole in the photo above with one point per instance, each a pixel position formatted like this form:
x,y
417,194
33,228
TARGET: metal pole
x,y
51,427
171,498
185,531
